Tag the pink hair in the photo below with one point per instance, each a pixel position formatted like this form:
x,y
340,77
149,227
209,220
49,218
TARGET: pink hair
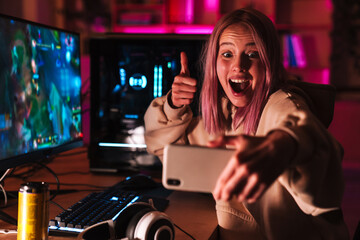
x,y
267,42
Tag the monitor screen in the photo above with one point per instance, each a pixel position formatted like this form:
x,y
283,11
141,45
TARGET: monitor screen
x,y
127,72
40,91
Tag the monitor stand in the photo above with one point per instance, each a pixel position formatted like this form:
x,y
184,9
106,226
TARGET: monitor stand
x,y
7,218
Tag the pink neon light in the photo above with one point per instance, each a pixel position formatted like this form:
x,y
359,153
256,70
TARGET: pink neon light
x,y
137,29
193,29
326,76
211,5
328,4
189,11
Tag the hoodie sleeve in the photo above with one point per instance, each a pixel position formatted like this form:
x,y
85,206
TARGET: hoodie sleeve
x,y
314,178
164,125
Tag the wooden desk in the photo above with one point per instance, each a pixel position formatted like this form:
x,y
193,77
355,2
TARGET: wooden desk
x,y
193,212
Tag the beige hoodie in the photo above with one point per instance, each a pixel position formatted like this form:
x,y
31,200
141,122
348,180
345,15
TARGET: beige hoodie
x,y
303,203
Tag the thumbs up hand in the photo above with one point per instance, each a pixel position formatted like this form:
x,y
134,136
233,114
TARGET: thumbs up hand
x,y
183,87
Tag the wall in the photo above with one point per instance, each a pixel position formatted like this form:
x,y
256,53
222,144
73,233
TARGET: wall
x,y
11,7
40,11
345,59
346,129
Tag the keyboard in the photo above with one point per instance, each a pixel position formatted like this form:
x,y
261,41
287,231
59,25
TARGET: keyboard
x,y
105,205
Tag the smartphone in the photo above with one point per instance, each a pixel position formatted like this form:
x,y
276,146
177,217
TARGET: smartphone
x,y
193,168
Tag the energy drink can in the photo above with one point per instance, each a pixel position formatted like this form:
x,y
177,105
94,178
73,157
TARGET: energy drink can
x,y
33,211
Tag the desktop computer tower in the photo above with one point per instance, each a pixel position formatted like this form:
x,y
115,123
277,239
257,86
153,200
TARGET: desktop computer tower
x,y
128,71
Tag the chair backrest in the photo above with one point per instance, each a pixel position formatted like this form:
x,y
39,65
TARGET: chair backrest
x,y
357,232
319,97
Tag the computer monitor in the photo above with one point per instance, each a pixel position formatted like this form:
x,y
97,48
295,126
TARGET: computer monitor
x,y
127,72
40,91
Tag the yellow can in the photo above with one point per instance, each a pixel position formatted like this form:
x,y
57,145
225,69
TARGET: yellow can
x,y
33,211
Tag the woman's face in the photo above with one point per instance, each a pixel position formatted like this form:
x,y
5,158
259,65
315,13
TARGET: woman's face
x,y
238,65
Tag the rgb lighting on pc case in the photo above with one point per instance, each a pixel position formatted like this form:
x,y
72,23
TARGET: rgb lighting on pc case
x,y
127,72
40,97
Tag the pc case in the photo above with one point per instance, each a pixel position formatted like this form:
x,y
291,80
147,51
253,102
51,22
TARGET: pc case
x,y
127,72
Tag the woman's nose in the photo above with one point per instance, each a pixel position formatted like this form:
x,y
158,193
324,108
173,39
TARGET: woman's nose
x,y
240,64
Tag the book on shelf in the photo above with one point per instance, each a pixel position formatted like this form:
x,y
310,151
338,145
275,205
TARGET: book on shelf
x,y
293,50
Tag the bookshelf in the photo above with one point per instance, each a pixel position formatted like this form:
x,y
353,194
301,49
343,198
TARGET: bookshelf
x,y
309,24
146,12
164,16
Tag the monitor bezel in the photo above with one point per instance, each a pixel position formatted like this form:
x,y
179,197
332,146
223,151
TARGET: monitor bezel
x,y
41,154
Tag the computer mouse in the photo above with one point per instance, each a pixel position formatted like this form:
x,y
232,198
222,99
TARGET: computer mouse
x,y
139,181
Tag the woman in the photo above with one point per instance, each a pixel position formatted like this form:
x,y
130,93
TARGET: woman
x,y
285,179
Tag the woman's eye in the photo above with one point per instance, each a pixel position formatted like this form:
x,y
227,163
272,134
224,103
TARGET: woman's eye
x,y
226,54
253,54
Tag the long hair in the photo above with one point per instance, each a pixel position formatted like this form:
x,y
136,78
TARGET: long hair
x,y
267,42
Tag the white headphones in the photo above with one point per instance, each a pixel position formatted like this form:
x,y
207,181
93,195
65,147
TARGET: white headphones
x,y
146,223
140,221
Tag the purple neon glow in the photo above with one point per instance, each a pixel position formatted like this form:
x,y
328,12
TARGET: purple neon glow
x,y
177,29
328,4
325,76
211,5
189,11
191,29
139,29
298,51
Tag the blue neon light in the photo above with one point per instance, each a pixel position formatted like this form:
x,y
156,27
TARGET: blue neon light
x,y
132,201
79,230
156,81
160,81
144,82
131,116
122,145
68,56
101,113
122,73
116,88
138,81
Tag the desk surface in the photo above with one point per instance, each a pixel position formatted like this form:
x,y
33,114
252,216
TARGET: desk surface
x,y
193,212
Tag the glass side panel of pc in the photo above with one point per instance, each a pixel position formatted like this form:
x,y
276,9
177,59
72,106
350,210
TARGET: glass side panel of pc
x,y
127,73
40,91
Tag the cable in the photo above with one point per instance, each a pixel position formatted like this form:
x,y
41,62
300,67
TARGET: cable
x,y
73,172
5,195
56,178
2,188
58,205
184,231
4,175
81,184
30,170
71,154
7,218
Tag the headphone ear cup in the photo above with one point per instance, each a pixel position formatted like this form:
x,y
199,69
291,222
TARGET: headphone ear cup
x,y
154,225
123,221
130,230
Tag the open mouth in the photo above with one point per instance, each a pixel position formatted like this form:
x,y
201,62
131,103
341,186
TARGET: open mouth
x,y
239,85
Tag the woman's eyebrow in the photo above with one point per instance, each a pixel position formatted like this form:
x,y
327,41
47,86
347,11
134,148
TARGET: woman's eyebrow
x,y
226,43
250,44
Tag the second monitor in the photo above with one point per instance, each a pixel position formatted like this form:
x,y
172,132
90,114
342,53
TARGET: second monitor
x,y
127,73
